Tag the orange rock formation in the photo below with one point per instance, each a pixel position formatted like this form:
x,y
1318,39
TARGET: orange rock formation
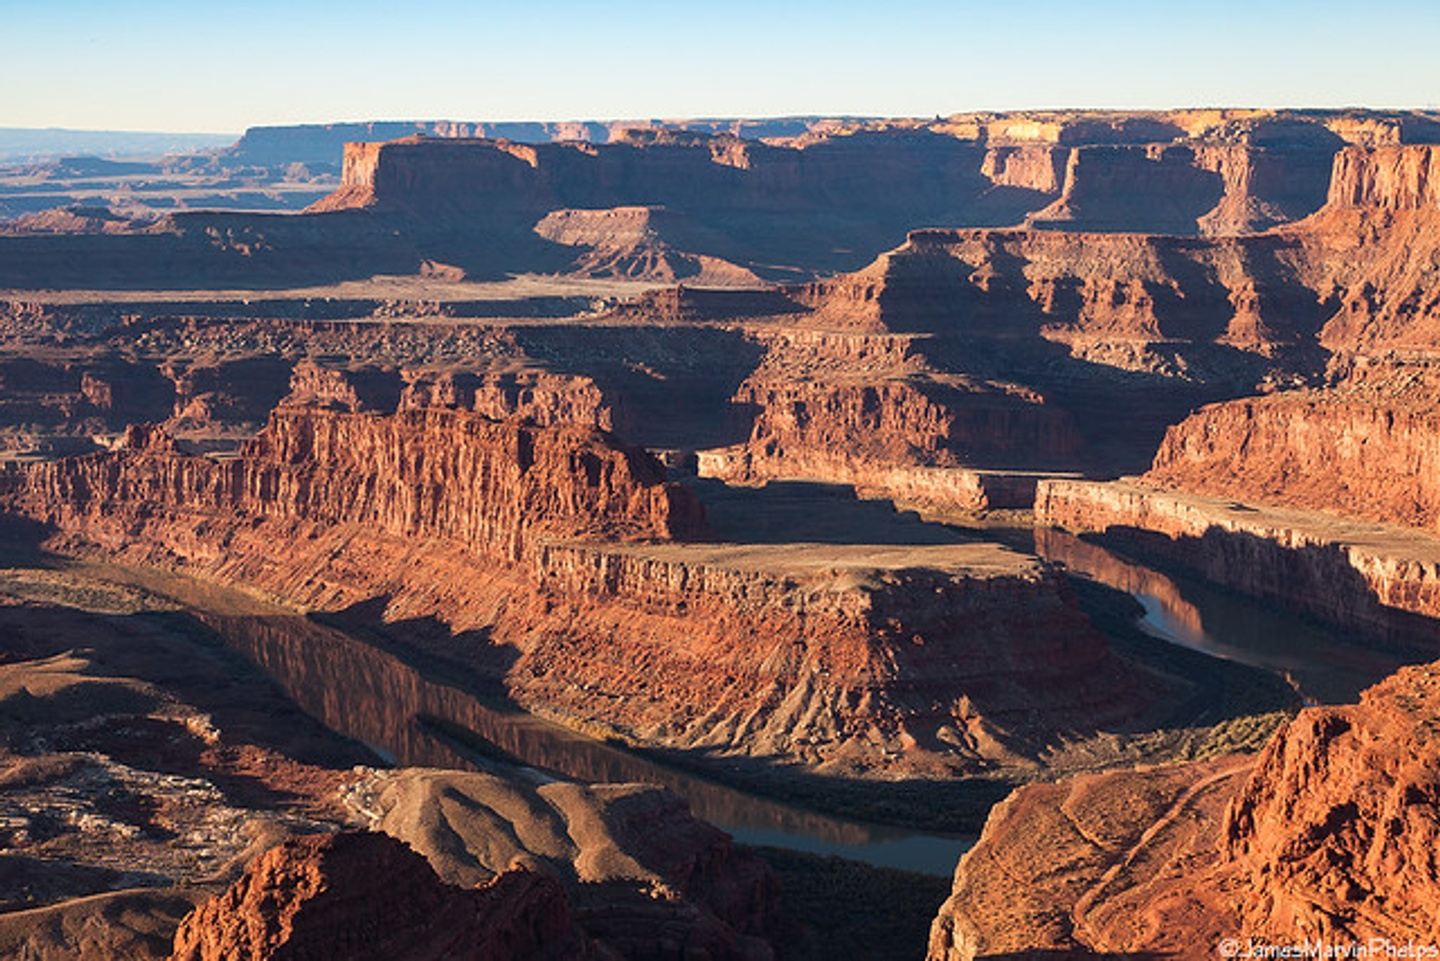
x,y
356,896
1328,836
557,543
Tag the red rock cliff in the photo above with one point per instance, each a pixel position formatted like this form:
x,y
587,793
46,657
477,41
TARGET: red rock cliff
x,y
1328,836
861,660
368,897
494,487
1388,178
1363,453
1336,829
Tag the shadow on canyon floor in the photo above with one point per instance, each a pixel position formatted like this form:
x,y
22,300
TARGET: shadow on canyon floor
x,y
1323,663
813,512
417,704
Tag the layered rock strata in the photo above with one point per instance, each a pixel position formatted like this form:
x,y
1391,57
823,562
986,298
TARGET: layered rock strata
x,y
1357,275
405,475
1381,580
1327,837
1372,454
874,412
870,661
361,896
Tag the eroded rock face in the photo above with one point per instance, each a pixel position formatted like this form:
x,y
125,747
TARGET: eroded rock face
x,y
641,243
1352,276
1362,453
844,190
875,412
645,877
1388,178
489,485
557,546
1208,188
1328,835
359,896
1336,829
933,423
1381,580
1169,322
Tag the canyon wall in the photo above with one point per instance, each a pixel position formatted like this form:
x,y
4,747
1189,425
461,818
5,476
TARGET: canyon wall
x,y
913,440
1321,499
1361,453
1208,188
781,201
1327,836
1387,178
493,487
1081,290
1383,581
1142,328
1356,275
553,550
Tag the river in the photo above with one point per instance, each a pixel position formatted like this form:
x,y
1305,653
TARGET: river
x,y
1322,664
411,716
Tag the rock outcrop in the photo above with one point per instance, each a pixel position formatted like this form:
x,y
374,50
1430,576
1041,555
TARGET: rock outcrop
x,y
1386,178
558,547
1334,831
910,440
644,877
1327,837
643,243
357,896
493,487
1358,274
1209,188
1371,454
1383,581
875,412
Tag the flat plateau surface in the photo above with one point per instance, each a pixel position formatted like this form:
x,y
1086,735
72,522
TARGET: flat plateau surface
x,y
406,287
811,560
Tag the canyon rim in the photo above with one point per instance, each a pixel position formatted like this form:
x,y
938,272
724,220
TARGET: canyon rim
x,y
851,523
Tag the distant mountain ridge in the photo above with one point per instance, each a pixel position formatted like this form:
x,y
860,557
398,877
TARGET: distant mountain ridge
x,y
323,143
32,144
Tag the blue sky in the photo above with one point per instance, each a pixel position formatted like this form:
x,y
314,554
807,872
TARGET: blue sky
x,y
201,66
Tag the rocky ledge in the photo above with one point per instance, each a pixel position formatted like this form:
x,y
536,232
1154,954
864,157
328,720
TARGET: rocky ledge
x,y
1329,835
557,548
1380,579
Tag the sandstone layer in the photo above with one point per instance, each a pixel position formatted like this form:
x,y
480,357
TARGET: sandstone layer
x,y
864,661
1326,836
1381,580
360,896
1371,454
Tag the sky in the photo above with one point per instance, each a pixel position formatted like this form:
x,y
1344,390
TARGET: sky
x,y
204,66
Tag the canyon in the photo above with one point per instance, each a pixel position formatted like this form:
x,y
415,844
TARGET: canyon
x,y
828,468
586,573
1172,860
